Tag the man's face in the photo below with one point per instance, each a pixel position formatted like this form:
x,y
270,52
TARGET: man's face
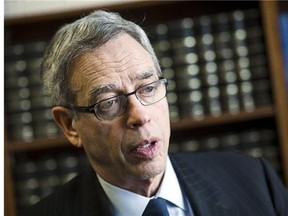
x,y
133,146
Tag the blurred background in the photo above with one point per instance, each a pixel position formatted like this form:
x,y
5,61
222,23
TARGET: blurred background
x,y
225,63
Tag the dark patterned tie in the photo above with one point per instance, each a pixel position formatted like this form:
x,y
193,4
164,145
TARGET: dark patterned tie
x,y
156,207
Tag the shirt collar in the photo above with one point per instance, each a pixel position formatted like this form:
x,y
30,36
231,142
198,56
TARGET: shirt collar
x,y
169,181
122,199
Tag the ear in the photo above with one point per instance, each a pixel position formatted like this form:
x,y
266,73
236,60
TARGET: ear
x,y
64,119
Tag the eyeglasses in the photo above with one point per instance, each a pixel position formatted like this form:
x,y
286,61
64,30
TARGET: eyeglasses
x,y
110,108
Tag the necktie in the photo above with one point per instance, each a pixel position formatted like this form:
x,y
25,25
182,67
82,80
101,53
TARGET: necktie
x,y
156,207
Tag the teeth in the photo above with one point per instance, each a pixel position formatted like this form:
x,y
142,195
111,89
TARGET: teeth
x,y
146,145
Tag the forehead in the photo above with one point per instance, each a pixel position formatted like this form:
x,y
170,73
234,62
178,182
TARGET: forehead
x,y
120,60
119,56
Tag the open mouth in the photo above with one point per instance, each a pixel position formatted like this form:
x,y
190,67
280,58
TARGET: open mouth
x,y
147,144
148,149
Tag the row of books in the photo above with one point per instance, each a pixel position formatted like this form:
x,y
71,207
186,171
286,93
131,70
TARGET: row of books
x,y
36,177
32,124
256,142
209,37
27,107
214,63
216,100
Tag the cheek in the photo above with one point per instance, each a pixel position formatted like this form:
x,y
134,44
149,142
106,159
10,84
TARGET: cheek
x,y
96,142
164,110
91,132
100,138
163,119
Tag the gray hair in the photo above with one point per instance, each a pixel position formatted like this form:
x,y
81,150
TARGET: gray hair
x,y
77,38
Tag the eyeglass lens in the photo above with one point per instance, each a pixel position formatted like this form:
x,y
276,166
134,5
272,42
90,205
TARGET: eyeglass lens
x,y
147,95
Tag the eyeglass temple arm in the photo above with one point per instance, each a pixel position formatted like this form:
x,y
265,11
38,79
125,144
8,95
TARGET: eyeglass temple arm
x,y
79,108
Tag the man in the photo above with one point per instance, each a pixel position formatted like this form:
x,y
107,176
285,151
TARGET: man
x,y
105,80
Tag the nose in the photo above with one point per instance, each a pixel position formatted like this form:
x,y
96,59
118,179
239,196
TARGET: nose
x,y
137,114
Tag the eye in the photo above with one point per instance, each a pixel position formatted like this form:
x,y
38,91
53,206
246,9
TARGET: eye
x,y
147,90
108,104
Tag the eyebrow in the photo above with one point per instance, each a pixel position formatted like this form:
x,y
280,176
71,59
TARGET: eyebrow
x,y
95,92
145,75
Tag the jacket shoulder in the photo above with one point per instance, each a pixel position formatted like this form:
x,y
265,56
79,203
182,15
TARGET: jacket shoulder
x,y
226,170
209,160
234,174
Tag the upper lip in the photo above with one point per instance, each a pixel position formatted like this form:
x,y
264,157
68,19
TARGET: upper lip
x,y
144,142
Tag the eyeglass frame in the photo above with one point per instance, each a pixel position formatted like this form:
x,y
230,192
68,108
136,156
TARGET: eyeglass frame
x,y
91,108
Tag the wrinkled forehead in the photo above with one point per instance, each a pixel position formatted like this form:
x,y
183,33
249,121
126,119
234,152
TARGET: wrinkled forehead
x,y
121,58
120,54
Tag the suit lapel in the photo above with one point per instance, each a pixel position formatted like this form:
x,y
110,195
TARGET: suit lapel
x,y
204,198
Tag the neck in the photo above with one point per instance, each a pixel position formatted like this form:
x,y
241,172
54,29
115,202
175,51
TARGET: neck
x,y
147,187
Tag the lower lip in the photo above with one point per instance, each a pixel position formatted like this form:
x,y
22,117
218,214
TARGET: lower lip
x,y
148,152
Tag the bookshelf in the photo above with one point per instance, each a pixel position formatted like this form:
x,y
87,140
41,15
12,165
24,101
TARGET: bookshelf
x,y
278,75
262,124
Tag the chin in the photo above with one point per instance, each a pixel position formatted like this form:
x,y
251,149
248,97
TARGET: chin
x,y
151,170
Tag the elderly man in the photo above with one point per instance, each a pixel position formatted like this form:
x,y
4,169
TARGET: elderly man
x,y
105,80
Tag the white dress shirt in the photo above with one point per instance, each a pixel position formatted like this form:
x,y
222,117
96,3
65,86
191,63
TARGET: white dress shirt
x,y
127,203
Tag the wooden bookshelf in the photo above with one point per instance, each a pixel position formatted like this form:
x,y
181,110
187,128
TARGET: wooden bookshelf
x,y
183,124
270,10
18,30
9,198
224,119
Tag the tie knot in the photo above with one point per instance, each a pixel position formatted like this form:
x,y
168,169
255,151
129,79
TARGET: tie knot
x,y
156,207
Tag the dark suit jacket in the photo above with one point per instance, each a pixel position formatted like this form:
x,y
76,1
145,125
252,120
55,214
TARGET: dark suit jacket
x,y
216,184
